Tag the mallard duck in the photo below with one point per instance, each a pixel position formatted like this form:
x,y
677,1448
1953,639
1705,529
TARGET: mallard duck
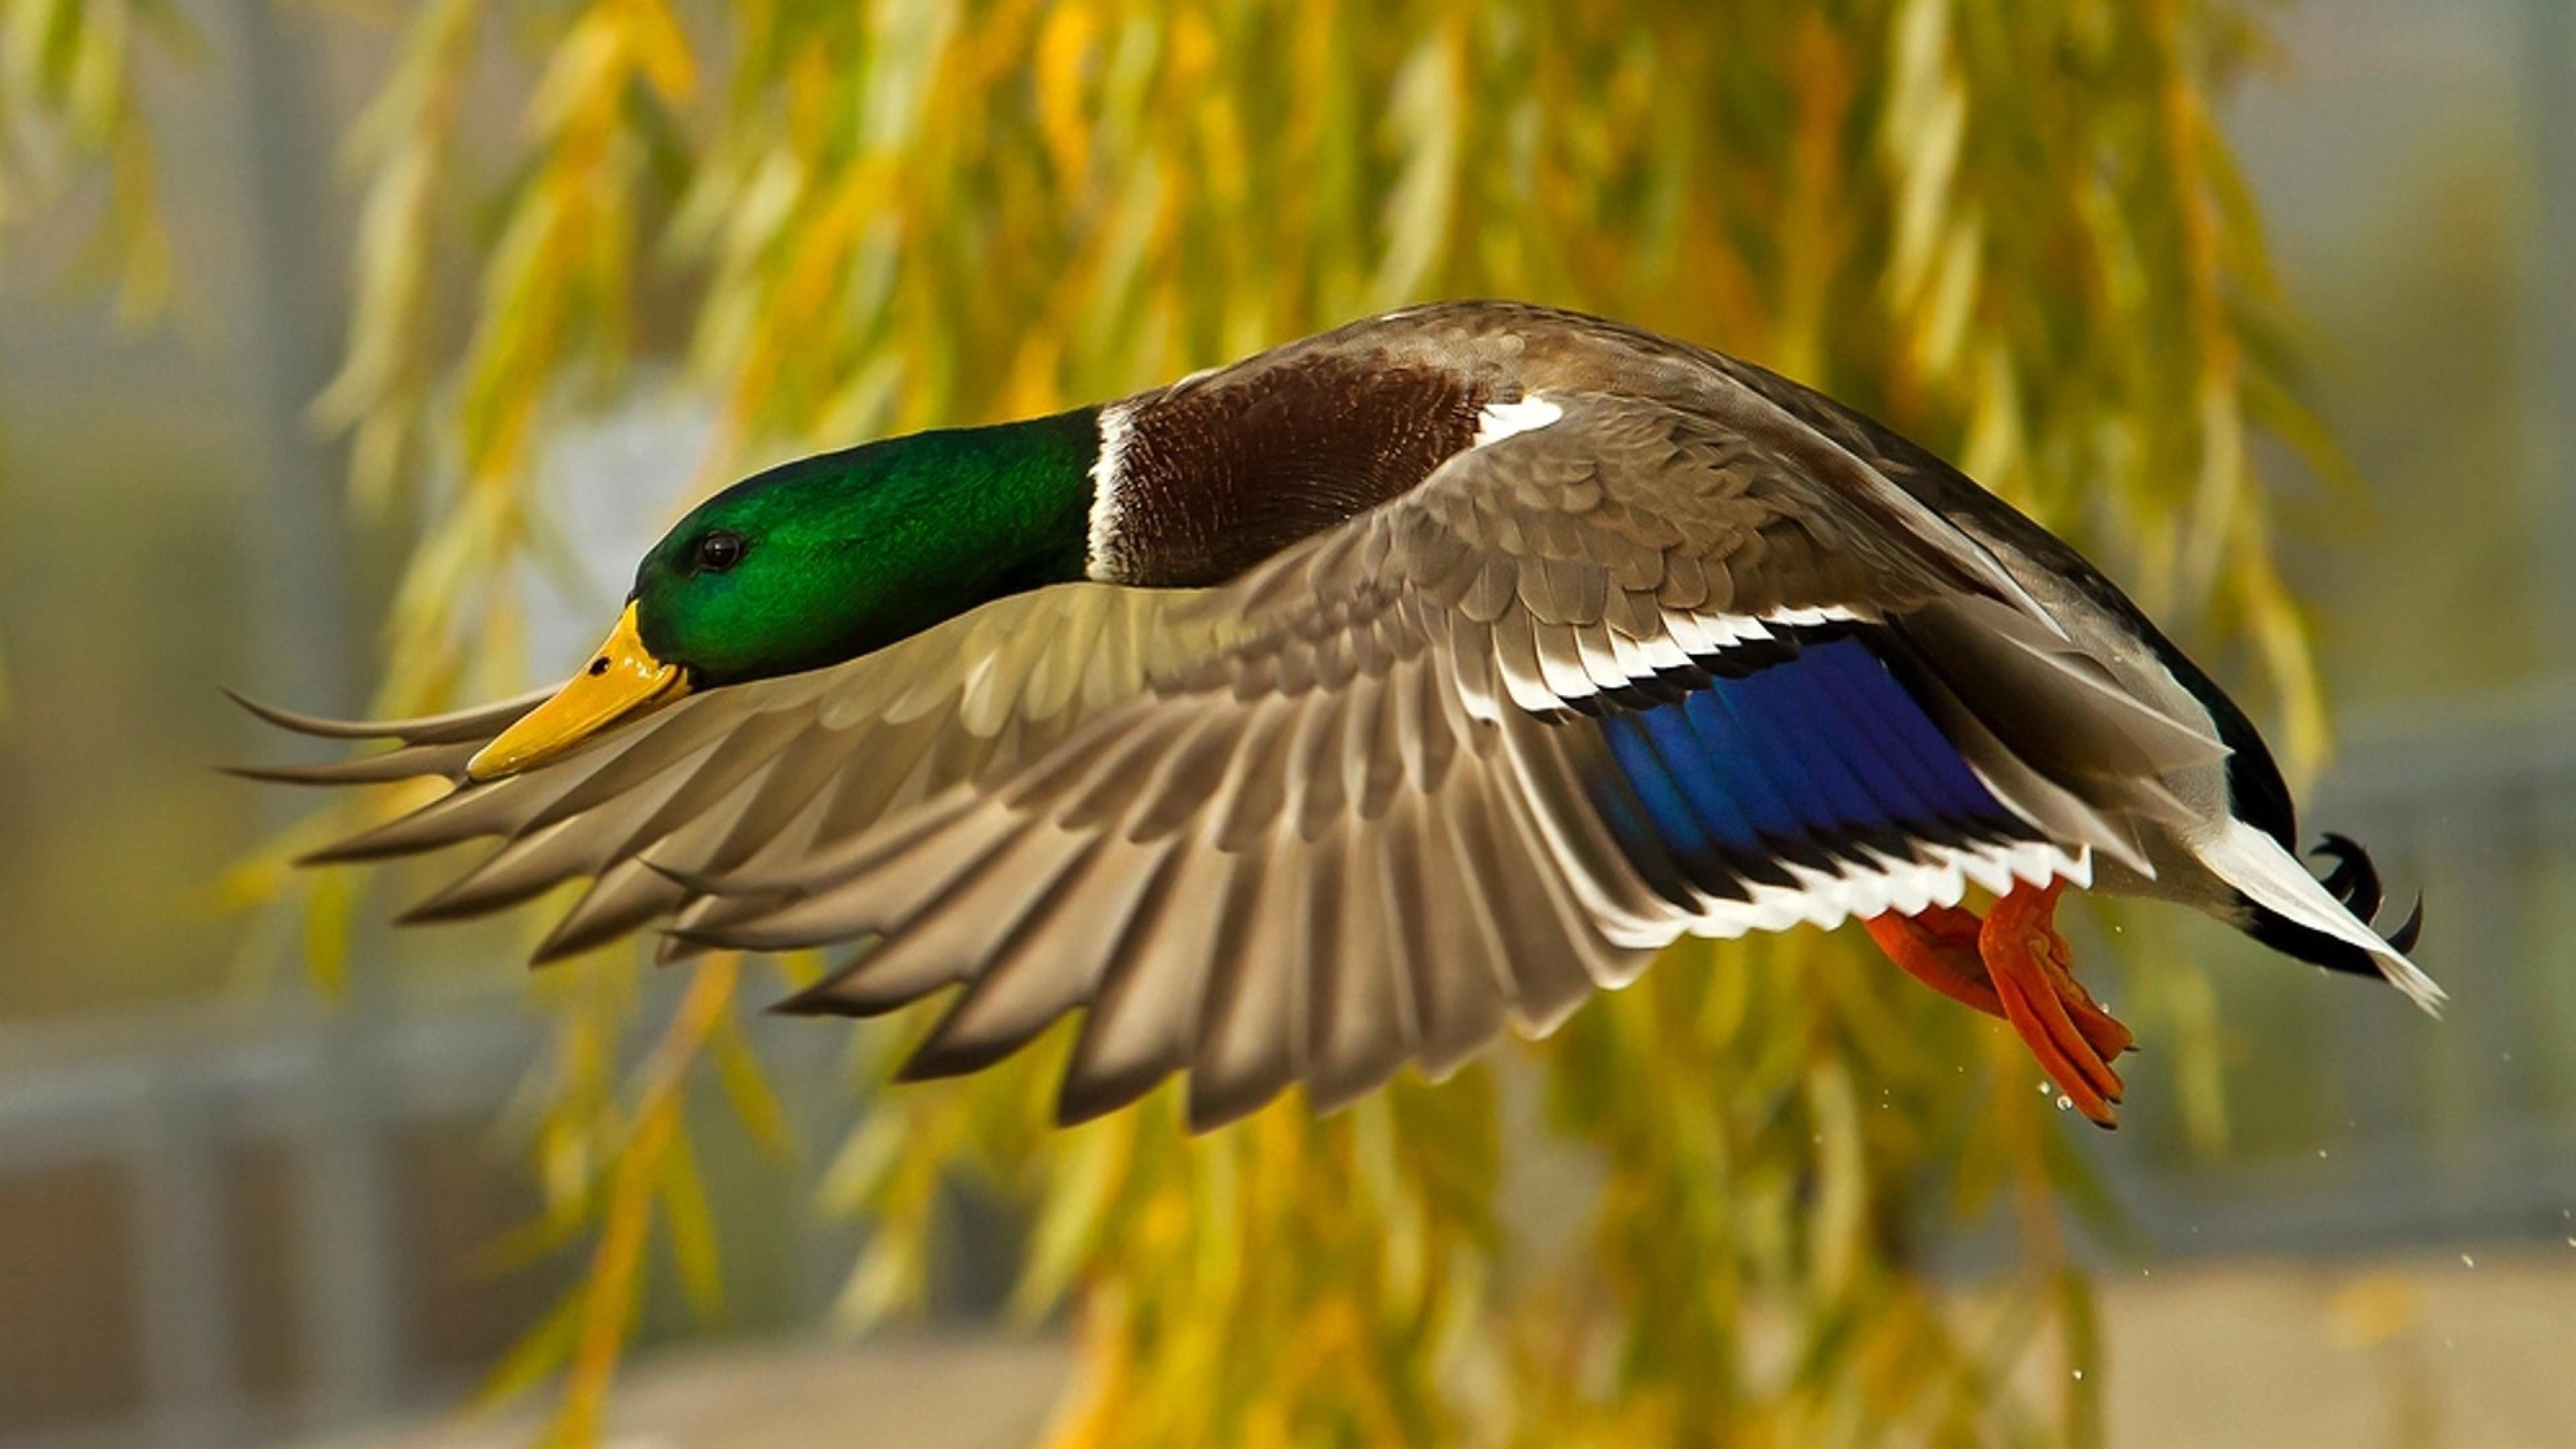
x,y
1338,708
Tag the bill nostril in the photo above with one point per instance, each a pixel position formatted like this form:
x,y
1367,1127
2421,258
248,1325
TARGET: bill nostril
x,y
599,666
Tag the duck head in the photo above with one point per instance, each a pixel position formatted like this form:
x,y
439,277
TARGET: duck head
x,y
822,560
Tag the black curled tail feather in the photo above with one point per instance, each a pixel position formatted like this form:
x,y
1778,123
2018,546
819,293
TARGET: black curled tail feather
x,y
2353,880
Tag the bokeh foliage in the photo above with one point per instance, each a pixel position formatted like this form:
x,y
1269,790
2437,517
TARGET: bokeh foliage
x,y
69,104
68,107
2013,231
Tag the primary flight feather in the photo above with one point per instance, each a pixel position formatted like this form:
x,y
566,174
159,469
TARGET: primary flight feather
x,y
1340,707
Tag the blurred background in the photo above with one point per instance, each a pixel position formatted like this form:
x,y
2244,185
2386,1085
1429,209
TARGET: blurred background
x,y
244,1203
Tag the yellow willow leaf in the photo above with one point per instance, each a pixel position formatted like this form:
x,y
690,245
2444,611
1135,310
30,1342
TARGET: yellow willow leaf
x,y
757,215
327,912
389,271
866,405
1124,250
2291,656
1090,1168
1221,151
132,235
702,218
866,1161
691,1229
1951,297
817,264
2218,495
567,1158
657,46
1997,437
94,93
394,119
1842,1188
2269,403
1034,368
530,1243
909,39
610,1298
1067,48
2083,1337
1423,123
1924,124
746,1086
25,43
889,1279
2202,1070
1214,1205
538,1355
269,871
1867,1007
588,64
727,325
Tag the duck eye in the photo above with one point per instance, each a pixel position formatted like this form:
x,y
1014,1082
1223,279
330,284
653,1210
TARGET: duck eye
x,y
719,551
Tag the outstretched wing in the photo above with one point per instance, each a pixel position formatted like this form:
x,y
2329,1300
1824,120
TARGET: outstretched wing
x,y
1398,810
757,775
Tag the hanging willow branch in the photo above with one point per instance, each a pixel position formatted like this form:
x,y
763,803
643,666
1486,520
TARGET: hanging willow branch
x,y
70,105
2012,231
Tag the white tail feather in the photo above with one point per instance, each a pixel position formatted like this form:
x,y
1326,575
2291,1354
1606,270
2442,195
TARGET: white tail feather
x,y
2271,877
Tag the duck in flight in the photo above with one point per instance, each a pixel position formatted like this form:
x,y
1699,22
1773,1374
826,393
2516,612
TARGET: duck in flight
x,y
1341,707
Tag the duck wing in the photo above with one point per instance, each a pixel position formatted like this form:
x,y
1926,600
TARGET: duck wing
x,y
751,777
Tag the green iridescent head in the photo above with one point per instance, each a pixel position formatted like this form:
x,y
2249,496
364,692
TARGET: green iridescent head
x,y
825,559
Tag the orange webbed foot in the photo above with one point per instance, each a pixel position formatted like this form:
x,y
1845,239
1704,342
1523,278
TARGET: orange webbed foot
x,y
1938,947
2074,1039
2013,964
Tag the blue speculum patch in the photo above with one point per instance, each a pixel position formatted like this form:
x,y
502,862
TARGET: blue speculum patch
x,y
1819,758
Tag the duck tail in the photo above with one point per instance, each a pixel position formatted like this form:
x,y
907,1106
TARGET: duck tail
x,y
2325,922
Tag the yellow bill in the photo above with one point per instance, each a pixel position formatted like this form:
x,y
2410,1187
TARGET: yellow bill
x,y
621,681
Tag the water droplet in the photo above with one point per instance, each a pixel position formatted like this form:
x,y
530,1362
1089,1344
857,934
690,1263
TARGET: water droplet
x,y
2321,1152
2064,1101
2571,1240
2467,1262
2079,1374
2045,1089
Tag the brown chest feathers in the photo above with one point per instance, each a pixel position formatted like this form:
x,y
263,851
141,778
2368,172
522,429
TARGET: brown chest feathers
x,y
1202,481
